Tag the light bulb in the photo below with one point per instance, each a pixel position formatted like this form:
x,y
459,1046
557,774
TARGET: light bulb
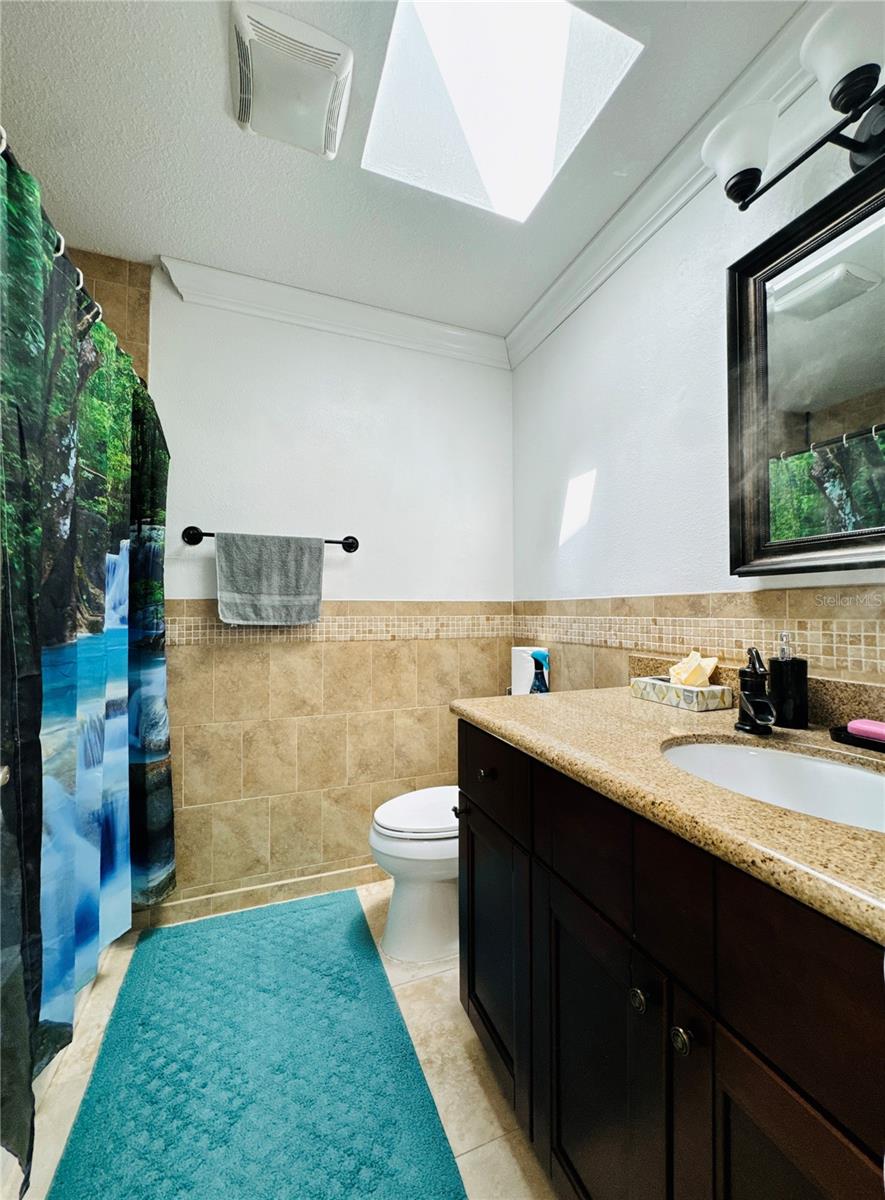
x,y
844,51
737,148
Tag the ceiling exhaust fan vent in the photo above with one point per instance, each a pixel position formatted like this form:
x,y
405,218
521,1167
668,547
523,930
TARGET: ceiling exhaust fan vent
x,y
290,82
244,77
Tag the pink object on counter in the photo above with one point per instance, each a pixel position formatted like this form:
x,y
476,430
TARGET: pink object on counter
x,y
868,729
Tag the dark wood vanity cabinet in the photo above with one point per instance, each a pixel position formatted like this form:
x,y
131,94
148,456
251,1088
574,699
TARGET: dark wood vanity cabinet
x,y
668,1027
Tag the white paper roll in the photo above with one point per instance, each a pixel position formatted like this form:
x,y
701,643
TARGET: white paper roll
x,y
522,669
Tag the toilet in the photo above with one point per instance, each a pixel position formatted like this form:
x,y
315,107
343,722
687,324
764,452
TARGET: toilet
x,y
414,837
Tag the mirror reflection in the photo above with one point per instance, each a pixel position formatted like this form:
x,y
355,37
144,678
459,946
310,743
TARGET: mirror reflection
x,y
825,321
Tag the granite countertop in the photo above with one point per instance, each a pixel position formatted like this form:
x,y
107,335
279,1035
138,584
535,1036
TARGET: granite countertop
x,y
611,741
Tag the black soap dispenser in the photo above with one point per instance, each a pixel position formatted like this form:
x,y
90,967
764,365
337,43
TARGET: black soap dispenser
x,y
788,686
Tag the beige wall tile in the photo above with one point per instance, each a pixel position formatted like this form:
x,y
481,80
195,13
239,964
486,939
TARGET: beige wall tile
x,y
240,838
768,602
176,751
610,667
394,675
296,679
101,266
347,815
202,608
632,606
371,608
334,608
322,752
478,667
695,604
448,739
189,683
193,846
557,667
857,602
416,741
534,608
369,747
437,671
138,314
140,359
561,608
390,788
347,676
505,645
213,763
139,274
437,779
578,666
181,910
112,298
270,757
296,830
175,608
242,687
597,606
417,608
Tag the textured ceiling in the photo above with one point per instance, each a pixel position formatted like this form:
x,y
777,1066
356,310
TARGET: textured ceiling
x,y
123,111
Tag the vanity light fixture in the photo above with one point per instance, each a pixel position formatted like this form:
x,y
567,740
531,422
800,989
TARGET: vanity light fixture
x,y
837,51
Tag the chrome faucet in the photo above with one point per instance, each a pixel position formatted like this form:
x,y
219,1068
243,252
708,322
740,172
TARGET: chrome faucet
x,y
756,713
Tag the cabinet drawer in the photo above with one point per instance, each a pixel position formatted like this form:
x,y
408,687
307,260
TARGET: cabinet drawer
x,y
585,839
673,905
807,993
496,778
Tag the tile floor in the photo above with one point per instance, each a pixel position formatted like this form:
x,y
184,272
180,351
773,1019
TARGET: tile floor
x,y
495,1160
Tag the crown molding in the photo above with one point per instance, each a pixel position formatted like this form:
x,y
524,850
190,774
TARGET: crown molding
x,y
773,75
197,284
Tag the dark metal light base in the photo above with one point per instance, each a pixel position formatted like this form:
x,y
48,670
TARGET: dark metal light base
x,y
856,88
742,185
871,132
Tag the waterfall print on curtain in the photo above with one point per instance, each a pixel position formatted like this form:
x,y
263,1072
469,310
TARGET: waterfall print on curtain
x,y
831,489
85,739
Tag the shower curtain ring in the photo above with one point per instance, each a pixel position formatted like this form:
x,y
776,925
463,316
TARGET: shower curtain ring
x,y
59,245
845,440
3,142
811,447
873,431
80,280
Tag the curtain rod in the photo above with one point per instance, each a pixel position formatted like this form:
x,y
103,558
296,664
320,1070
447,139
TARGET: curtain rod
x,y
841,439
59,251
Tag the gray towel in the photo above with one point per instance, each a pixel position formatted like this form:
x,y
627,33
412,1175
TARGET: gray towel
x,y
268,580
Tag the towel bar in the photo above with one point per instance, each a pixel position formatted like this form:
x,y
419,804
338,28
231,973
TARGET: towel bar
x,y
193,535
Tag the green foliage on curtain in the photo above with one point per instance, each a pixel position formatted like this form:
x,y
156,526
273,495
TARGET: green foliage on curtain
x,y
833,489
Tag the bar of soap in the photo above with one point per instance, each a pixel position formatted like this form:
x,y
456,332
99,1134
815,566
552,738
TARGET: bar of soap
x,y
875,730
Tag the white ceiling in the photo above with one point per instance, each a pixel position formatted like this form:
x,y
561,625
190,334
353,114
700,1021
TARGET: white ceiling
x,y
123,111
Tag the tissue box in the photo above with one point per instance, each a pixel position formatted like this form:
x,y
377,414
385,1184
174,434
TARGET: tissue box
x,y
695,699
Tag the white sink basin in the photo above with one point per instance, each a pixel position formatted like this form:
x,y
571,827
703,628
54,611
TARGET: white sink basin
x,y
817,786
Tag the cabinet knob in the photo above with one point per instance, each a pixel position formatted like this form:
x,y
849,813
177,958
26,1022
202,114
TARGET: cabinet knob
x,y
681,1040
638,1000
459,812
486,773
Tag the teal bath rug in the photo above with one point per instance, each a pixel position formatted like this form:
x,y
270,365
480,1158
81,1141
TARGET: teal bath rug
x,y
258,1056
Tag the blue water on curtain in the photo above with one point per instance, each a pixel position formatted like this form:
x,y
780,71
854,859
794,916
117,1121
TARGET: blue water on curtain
x,y
86,886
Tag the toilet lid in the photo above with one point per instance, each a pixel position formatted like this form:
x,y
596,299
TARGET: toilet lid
x,y
426,813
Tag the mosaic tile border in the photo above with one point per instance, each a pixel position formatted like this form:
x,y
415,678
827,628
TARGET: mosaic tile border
x,y
851,638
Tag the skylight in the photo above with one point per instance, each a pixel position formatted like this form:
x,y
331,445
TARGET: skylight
x,y
485,101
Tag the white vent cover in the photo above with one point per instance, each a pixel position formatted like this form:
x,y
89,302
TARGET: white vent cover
x,y
290,82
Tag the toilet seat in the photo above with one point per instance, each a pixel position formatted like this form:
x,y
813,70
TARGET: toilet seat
x,y
424,815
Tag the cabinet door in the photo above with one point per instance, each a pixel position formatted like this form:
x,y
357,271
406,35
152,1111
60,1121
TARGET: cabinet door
x,y
495,933
772,1145
691,1064
599,1078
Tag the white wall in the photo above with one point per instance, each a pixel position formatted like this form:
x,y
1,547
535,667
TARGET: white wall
x,y
275,428
632,387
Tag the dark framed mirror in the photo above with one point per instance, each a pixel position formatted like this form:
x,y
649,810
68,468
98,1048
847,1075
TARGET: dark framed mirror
x,y
806,389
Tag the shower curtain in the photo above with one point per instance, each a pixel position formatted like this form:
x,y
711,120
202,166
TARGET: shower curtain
x,y
86,801
834,488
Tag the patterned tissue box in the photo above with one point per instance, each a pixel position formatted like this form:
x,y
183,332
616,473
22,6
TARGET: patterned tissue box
x,y
696,699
